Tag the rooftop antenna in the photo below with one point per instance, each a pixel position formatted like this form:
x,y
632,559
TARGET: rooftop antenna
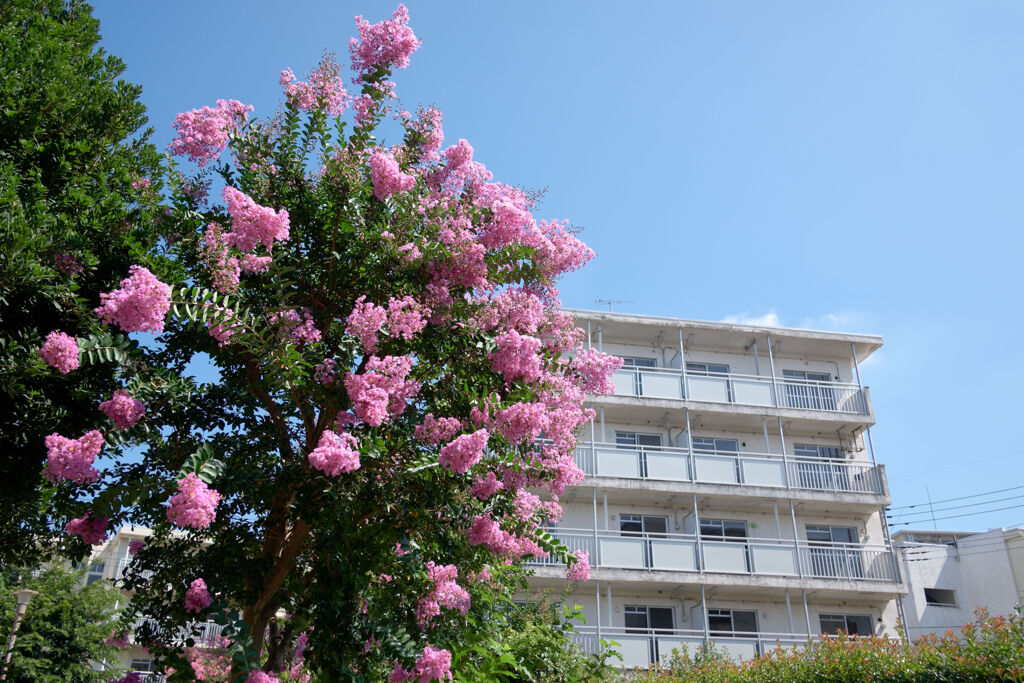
x,y
610,302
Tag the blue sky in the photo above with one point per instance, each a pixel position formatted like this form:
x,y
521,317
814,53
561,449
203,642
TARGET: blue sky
x,y
846,166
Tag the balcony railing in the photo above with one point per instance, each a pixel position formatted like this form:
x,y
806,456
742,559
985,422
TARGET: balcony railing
x,y
751,556
665,463
122,568
645,647
206,636
752,390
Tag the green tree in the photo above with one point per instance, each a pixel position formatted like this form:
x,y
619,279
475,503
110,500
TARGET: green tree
x,y
78,184
64,629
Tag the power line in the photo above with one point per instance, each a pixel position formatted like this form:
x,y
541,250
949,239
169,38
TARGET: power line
x,y
965,514
947,500
927,513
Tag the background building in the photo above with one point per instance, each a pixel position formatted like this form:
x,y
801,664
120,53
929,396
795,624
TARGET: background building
x,y
731,491
949,574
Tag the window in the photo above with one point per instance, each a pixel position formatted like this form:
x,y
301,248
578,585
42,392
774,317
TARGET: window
x,y
940,597
710,446
810,390
853,624
141,665
820,533
817,467
730,622
650,525
833,551
641,618
804,450
95,572
636,441
724,529
707,368
634,362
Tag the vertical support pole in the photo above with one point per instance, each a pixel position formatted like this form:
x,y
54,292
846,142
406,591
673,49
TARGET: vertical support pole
x,y
785,458
606,511
807,613
600,339
767,443
789,613
604,433
757,360
860,387
689,448
597,603
696,535
704,607
682,365
796,540
611,617
589,345
597,545
771,363
778,525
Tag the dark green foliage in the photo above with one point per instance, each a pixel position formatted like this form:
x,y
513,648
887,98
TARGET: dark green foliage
x,y
64,628
72,142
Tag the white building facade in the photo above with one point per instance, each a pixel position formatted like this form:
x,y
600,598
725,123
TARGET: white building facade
x,y
950,574
731,492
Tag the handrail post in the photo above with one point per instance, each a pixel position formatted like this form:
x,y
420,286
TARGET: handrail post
x,y
771,364
682,366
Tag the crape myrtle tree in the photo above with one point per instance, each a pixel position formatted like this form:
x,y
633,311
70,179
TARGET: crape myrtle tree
x,y
397,386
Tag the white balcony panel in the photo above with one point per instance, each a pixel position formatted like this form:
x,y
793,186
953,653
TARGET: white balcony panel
x,y
675,555
762,472
667,466
716,470
618,463
625,383
737,649
661,385
622,552
725,557
636,652
666,645
711,389
769,560
752,392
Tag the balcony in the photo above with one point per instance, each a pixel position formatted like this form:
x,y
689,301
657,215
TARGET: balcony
x,y
749,390
645,647
664,463
751,556
122,568
207,636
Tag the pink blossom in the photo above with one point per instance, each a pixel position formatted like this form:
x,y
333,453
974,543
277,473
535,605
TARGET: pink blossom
x,y
203,133
141,184
521,421
485,531
335,454
223,331
388,179
383,389
324,372
253,224
579,570
298,325
257,676
406,317
526,504
385,45
435,430
409,251
71,459
124,410
596,369
325,88
560,251
250,263
224,269
67,264
517,357
60,350
139,305
433,665
399,674
135,545
446,592
365,322
464,452
195,504
429,126
197,597
93,530
485,487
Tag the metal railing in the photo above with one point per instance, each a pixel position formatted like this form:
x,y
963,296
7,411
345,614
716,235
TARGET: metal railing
x,y
122,568
206,636
752,556
666,463
755,390
645,647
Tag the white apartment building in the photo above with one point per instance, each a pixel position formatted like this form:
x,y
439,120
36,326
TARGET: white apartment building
x,y
949,574
731,494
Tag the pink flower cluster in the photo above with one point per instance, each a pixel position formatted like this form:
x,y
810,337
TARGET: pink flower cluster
x,y
335,453
365,322
596,369
485,487
324,89
203,133
93,530
388,179
579,570
124,410
406,317
194,505
257,676
197,597
517,357
71,459
521,422
60,350
253,224
135,546
464,452
67,264
433,664
383,389
385,45
446,592
139,305
224,270
323,373
298,325
435,430
486,531
526,504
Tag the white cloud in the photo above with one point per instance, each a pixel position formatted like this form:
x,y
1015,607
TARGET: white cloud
x,y
769,319
845,321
